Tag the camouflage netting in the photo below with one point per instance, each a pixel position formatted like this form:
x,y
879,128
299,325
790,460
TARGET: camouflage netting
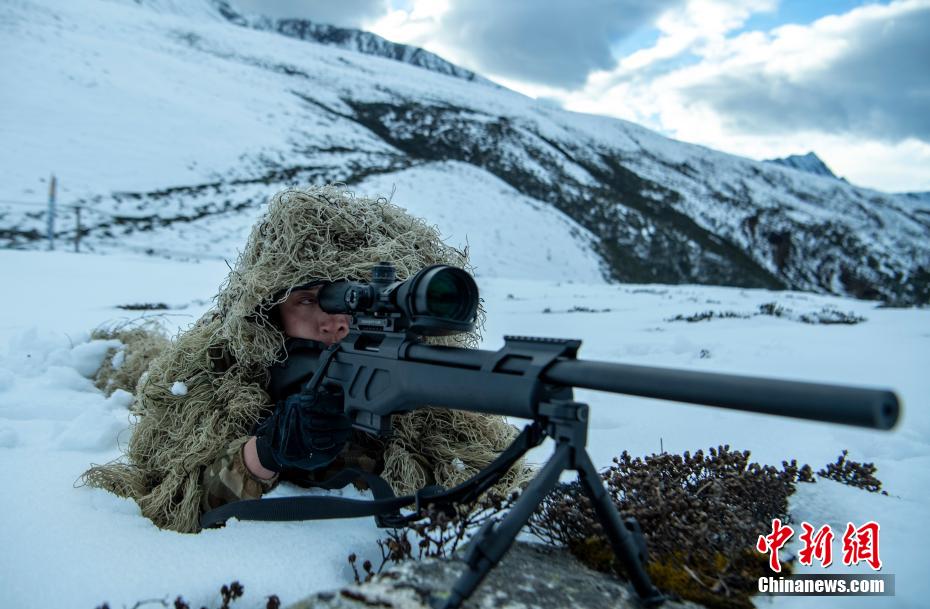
x,y
314,233
123,367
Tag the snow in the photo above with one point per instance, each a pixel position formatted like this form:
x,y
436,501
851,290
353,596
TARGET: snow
x,y
73,546
178,388
118,358
120,97
494,221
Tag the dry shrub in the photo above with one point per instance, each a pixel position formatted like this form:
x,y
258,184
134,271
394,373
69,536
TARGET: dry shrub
x,y
853,473
439,533
229,594
701,515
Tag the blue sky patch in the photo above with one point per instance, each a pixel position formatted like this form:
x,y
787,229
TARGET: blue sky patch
x,y
799,12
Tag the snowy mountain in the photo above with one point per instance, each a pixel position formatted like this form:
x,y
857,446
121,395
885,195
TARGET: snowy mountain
x,y
170,123
919,198
810,162
349,39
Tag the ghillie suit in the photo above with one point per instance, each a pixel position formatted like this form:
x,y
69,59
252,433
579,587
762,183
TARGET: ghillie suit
x,y
124,366
223,360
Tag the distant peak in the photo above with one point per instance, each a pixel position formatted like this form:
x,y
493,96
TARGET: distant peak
x,y
810,163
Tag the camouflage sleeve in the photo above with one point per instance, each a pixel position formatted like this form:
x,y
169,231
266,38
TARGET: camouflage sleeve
x,y
227,479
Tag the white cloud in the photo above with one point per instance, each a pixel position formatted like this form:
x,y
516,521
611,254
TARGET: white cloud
x,y
899,167
420,26
853,87
845,85
700,24
548,42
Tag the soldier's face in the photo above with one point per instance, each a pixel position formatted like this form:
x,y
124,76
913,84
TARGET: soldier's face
x,y
302,317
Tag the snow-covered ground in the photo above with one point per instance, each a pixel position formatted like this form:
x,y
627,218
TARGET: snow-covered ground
x,y
124,100
68,546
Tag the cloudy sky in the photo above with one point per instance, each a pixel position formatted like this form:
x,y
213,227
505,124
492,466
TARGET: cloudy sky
x,y
847,79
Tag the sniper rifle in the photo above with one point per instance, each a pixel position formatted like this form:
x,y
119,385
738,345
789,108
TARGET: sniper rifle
x,y
383,367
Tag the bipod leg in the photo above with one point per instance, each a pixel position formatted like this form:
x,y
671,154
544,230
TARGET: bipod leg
x,y
492,541
629,550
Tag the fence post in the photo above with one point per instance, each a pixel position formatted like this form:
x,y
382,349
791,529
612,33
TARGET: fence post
x,y
77,231
51,214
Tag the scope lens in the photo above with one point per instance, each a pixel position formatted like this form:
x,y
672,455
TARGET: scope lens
x,y
444,296
445,292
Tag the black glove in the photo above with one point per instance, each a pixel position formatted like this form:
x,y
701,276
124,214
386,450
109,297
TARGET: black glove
x,y
306,431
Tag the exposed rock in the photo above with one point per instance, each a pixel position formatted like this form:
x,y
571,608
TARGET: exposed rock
x,y
530,576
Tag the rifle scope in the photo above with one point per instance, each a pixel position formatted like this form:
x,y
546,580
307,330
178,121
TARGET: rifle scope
x,y
437,300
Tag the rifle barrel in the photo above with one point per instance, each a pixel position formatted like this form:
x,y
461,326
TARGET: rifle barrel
x,y
858,406
863,407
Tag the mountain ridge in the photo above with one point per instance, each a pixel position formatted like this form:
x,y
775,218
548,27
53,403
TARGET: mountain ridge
x,y
350,39
243,112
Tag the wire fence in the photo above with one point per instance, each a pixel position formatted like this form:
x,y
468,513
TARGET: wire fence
x,y
43,207
51,208
27,203
79,231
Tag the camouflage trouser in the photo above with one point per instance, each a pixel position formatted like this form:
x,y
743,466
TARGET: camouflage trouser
x,y
227,479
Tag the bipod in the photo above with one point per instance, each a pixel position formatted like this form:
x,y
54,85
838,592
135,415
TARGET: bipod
x,y
567,424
